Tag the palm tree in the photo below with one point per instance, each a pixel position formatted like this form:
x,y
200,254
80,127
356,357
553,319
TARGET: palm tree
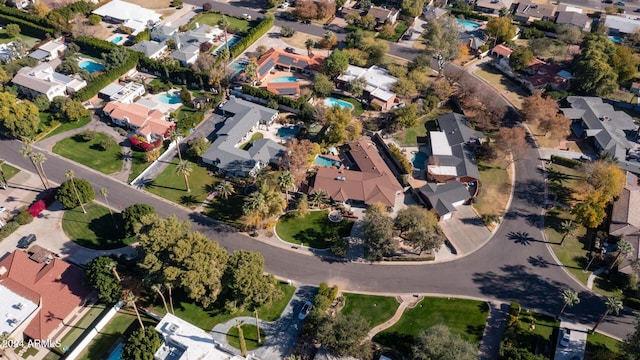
x,y
225,189
318,197
184,168
568,228
113,267
624,249
569,298
251,71
105,194
130,299
257,327
38,158
224,23
169,287
613,304
255,204
70,174
175,136
309,44
157,288
285,182
27,152
243,343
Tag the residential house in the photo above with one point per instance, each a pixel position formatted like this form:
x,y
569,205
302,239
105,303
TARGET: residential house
x,y
445,198
452,151
501,52
151,49
11,51
379,84
363,178
49,50
541,75
492,6
148,123
38,294
433,12
621,25
573,16
125,93
625,220
186,54
182,340
473,40
529,10
163,32
607,130
188,43
129,15
245,118
384,15
42,79
635,88
278,59
20,4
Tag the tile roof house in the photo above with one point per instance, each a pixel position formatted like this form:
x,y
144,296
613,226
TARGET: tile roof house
x,y
452,153
445,198
379,84
48,292
42,79
542,75
492,6
529,10
572,15
49,50
625,219
383,15
367,179
151,49
150,124
225,154
132,16
501,51
280,59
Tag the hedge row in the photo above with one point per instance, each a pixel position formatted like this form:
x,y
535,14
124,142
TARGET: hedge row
x,y
107,78
28,28
94,47
547,26
252,35
174,73
402,160
15,13
282,100
563,161
8,229
468,14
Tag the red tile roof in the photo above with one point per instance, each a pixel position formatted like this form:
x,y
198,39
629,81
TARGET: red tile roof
x,y
282,58
546,74
57,287
502,50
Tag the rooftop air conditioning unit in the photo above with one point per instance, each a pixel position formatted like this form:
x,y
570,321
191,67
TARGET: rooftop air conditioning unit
x,y
341,178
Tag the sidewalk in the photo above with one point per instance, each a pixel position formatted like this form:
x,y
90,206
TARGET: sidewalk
x,y
493,331
406,302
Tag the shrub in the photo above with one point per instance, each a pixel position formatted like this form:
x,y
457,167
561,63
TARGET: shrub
x,y
514,309
8,229
94,19
252,35
67,196
468,14
88,135
547,26
185,95
106,144
402,160
197,146
563,161
206,7
42,102
23,218
340,247
132,215
287,31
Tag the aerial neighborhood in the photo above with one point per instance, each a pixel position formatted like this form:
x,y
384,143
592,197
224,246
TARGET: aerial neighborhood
x,y
319,179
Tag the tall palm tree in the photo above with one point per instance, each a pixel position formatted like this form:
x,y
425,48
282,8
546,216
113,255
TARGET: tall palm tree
x,y
70,174
568,228
38,158
318,197
169,287
27,151
130,299
105,194
243,343
157,289
184,168
225,189
309,45
285,182
113,267
258,327
624,249
569,298
613,304
175,136
255,204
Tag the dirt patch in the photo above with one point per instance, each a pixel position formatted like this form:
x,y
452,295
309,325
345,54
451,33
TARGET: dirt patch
x,y
155,4
298,39
495,187
98,31
510,90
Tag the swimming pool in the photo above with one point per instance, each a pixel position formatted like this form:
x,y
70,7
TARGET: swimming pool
x,y
116,354
91,66
236,68
116,39
615,39
331,102
468,25
326,162
288,131
419,160
232,41
169,99
284,79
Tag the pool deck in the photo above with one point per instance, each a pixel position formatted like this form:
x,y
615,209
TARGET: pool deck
x,y
303,80
165,108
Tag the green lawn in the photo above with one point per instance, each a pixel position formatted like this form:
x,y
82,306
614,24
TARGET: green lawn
x,y
250,336
228,210
90,153
9,171
376,309
466,318
171,186
357,105
213,19
95,229
543,336
495,187
411,136
68,126
599,342
4,38
256,136
314,230
138,164
208,318
51,356
79,327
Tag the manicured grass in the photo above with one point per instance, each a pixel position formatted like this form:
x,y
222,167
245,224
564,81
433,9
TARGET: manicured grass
x,y
543,336
213,19
4,38
69,126
314,230
250,334
138,164
171,186
466,318
51,356
597,341
216,314
357,105
254,137
511,91
495,187
572,251
95,229
228,210
9,171
376,309
79,327
411,136
91,153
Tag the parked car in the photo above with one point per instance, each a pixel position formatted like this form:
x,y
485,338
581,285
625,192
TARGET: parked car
x,y
290,50
26,240
620,3
2,209
306,308
306,21
565,337
284,5
246,16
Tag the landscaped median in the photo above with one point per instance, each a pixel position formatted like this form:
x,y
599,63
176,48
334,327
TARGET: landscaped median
x,y
97,229
314,229
92,149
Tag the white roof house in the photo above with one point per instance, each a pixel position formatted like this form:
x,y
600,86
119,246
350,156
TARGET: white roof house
x,y
183,340
16,310
130,15
379,82
126,93
49,50
42,79
621,24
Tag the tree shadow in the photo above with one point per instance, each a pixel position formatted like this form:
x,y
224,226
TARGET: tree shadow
x,y
395,340
522,237
189,200
151,183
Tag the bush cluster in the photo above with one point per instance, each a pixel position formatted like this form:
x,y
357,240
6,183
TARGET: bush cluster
x,y
282,100
468,14
402,160
252,35
8,229
563,161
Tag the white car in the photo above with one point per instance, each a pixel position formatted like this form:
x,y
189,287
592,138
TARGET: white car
x,y
246,16
2,209
306,308
565,337
284,5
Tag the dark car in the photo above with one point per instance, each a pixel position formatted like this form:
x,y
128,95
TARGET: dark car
x,y
620,3
290,50
306,308
26,240
306,21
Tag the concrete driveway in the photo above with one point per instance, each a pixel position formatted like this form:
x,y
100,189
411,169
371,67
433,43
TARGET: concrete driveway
x,y
466,230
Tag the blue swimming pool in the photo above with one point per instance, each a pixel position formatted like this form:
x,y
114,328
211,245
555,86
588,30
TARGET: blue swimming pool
x,y
288,131
468,25
232,41
615,39
116,39
331,102
236,68
419,160
169,99
284,79
326,162
91,66
116,354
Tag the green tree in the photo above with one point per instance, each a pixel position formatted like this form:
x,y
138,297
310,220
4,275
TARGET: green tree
x,y
624,249
302,206
251,71
184,169
568,228
378,232
590,211
336,63
157,288
322,85
142,344
631,344
500,29
175,136
592,71
438,343
18,118
624,62
94,19
569,34
614,305
406,116
357,86
340,126
520,59
115,57
197,146
255,204
344,335
27,151
441,38
74,191
99,277
285,182
247,282
185,95
329,40
418,227
569,298
405,87
309,44
12,30
72,110
42,102
412,8
133,215
318,197
225,189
